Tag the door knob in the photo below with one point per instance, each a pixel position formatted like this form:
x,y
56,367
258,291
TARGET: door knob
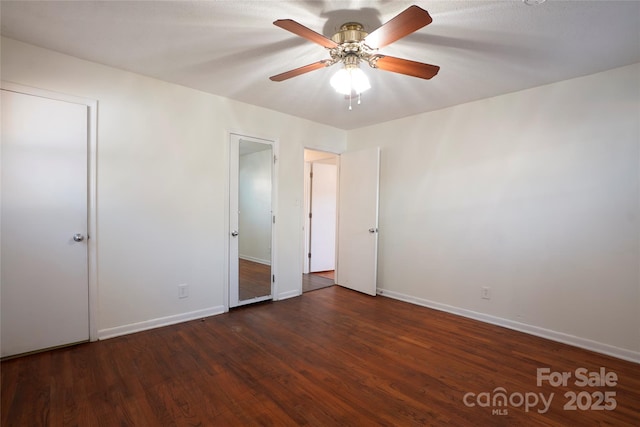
x,y
78,237
373,230
234,233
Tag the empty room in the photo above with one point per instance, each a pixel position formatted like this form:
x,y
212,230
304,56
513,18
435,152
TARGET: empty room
x,y
324,213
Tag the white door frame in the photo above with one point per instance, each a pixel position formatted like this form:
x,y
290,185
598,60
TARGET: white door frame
x,y
227,215
92,138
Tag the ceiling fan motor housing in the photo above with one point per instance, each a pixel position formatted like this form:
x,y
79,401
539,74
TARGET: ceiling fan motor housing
x,y
351,32
351,47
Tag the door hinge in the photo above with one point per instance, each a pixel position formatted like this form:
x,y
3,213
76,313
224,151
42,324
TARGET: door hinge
x,y
309,255
275,159
310,215
274,219
311,175
273,278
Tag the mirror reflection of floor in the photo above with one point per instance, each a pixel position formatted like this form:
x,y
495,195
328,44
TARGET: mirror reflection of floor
x,y
254,280
313,281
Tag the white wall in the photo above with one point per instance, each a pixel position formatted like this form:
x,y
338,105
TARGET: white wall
x,y
254,204
534,194
162,164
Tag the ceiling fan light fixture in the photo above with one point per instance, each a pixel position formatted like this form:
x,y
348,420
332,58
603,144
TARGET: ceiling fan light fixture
x,y
350,79
352,45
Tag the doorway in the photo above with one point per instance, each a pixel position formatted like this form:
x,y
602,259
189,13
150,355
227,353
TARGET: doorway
x,y
320,219
251,220
355,239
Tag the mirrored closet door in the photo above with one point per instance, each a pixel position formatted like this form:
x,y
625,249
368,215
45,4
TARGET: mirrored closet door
x,y
250,220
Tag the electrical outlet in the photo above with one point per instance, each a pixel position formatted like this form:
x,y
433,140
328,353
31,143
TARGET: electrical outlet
x,y
183,290
485,293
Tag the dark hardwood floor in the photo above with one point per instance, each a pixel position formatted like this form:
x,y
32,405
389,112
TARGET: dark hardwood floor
x,y
331,357
254,280
312,282
329,274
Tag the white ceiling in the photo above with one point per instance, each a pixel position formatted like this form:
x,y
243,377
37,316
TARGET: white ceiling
x,y
230,48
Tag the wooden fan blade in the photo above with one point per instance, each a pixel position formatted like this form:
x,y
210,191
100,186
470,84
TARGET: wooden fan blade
x,y
305,69
404,66
302,31
411,19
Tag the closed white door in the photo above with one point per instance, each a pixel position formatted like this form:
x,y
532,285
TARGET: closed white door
x,y
324,180
358,220
251,220
44,295
234,220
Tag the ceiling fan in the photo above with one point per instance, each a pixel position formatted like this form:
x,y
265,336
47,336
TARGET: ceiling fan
x,y
352,45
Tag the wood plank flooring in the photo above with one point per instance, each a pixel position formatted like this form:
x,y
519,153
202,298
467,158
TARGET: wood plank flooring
x,y
254,279
329,274
312,282
331,357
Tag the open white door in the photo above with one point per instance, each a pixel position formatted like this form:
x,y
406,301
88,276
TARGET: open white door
x,y
358,220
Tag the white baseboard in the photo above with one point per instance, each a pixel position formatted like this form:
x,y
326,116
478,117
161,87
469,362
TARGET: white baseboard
x,y
598,347
159,322
258,260
288,294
